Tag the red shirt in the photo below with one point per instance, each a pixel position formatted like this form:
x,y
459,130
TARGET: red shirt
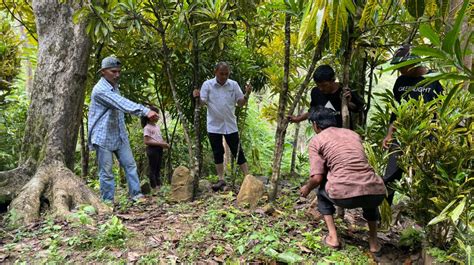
x,y
339,154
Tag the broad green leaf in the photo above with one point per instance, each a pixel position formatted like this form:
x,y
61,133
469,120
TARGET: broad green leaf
x,y
308,22
448,43
89,209
427,31
416,8
457,211
428,51
350,6
271,252
443,215
289,257
451,94
400,65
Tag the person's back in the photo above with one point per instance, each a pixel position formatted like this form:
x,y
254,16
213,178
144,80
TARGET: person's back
x,y
348,171
340,170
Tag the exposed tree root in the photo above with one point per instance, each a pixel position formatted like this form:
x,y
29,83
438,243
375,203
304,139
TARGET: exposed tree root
x,y
12,181
57,185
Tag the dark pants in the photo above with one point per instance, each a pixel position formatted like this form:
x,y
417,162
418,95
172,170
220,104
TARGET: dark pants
x,y
368,203
392,172
218,148
155,155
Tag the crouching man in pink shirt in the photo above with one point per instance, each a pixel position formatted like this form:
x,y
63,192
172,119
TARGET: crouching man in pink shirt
x,y
340,168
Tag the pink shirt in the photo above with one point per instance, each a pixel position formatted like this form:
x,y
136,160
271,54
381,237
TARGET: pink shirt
x,y
339,153
153,131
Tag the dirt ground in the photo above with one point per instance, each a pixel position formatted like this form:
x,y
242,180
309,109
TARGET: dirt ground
x,y
203,231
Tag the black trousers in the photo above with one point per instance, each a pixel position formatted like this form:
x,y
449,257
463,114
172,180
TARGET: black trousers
x,y
155,155
393,172
368,203
218,148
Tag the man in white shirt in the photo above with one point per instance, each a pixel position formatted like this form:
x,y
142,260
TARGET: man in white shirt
x,y
221,94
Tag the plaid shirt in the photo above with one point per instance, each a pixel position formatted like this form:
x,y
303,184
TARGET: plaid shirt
x,y
106,116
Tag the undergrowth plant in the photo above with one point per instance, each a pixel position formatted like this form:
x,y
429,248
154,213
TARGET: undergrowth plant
x,y
437,144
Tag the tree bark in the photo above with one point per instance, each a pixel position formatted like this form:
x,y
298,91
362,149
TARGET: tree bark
x,y
197,111
84,151
57,98
295,146
167,63
283,123
346,79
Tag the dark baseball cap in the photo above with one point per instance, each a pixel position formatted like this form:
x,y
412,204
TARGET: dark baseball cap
x,y
403,54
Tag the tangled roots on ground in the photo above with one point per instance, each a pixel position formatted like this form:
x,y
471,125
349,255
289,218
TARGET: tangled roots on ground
x,y
59,187
12,181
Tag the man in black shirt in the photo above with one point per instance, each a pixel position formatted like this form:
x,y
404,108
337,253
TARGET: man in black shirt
x,y
405,87
328,93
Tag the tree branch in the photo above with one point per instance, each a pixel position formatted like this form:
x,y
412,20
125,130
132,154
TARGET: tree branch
x,y
19,20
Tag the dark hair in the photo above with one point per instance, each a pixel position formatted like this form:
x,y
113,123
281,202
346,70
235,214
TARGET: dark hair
x,y
144,119
222,64
323,117
324,73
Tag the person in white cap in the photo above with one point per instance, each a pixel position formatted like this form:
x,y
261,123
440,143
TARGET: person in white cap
x,y
107,131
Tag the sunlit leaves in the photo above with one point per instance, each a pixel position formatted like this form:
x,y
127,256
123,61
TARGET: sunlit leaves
x,y
333,13
215,16
367,14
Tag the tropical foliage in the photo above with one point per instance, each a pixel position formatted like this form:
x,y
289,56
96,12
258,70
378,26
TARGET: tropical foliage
x,y
169,47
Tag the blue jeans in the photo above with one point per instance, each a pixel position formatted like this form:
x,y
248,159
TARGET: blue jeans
x,y
106,177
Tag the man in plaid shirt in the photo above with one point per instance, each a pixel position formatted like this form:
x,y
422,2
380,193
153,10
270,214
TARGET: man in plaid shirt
x,y
107,131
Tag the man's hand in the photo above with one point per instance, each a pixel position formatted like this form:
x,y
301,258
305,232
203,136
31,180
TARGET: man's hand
x,y
347,95
152,115
248,89
293,118
166,145
196,93
304,191
387,141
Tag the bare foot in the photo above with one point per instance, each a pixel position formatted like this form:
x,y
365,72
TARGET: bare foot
x,y
374,246
331,242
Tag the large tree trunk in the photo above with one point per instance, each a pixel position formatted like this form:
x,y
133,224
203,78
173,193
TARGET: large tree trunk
x,y
57,98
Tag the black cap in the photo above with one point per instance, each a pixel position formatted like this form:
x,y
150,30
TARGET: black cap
x,y
403,54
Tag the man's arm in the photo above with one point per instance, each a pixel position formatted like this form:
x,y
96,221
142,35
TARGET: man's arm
x,y
197,95
389,137
115,101
313,182
151,142
317,168
299,118
354,102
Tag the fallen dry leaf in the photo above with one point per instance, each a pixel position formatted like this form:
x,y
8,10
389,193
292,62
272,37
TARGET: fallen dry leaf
x,y
132,256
